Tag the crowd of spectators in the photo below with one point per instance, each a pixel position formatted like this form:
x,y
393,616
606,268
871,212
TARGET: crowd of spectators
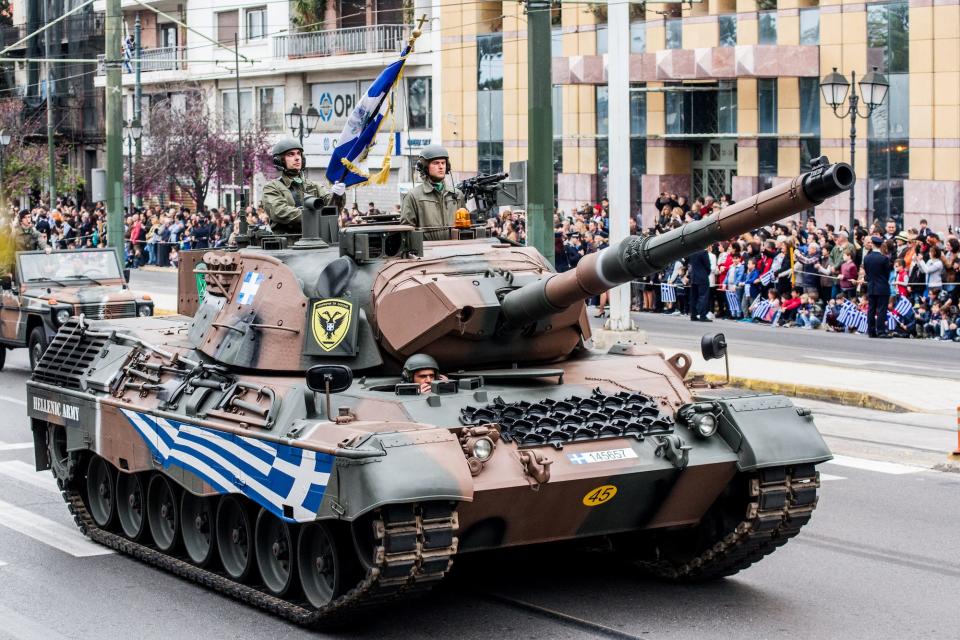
x,y
790,274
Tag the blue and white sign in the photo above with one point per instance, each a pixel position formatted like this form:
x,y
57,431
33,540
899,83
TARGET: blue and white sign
x,y
608,455
249,288
272,475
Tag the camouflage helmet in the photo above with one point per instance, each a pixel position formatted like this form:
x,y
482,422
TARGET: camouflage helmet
x,y
432,152
419,362
281,147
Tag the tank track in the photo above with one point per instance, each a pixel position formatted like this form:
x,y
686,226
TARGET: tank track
x,y
413,549
782,500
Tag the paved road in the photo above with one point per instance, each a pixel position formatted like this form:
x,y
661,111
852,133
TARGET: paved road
x,y
879,560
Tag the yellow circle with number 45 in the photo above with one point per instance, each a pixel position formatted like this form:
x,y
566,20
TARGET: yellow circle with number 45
x,y
599,495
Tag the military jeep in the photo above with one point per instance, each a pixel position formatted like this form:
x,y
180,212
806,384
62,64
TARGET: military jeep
x,y
47,289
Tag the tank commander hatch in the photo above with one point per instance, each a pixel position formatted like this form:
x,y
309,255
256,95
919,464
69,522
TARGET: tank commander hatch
x,y
423,370
283,197
432,203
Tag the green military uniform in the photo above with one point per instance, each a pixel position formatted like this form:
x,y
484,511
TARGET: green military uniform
x,y
18,239
283,199
424,207
29,239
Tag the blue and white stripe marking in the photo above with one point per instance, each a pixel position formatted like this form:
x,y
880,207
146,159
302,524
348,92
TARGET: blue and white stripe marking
x,y
249,288
272,475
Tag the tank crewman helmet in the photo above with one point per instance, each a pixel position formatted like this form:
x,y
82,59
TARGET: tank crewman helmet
x,y
429,153
281,147
419,362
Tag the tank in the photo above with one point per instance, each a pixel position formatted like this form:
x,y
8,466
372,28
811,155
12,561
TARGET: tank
x,y
265,445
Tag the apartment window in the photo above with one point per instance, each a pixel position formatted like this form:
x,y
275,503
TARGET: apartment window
x,y
168,35
256,23
810,26
674,33
809,106
888,37
271,108
228,24
490,103
638,112
556,42
767,105
767,27
353,13
419,102
727,108
728,30
603,110
391,12
229,113
767,157
638,37
674,111
602,46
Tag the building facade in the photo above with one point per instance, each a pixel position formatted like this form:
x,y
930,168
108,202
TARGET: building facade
x,y
725,98
322,60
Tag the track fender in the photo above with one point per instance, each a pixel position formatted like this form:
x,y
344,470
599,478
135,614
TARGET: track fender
x,y
419,466
768,431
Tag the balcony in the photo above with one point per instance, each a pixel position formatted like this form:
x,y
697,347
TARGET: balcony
x,y
159,59
81,27
381,38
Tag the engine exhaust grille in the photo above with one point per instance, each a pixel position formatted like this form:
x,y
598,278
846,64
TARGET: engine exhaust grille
x,y
69,355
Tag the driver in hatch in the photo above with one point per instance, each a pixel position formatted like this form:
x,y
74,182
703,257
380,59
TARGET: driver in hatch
x,y
423,370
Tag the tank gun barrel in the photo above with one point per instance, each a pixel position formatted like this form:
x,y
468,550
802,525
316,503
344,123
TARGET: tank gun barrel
x,y
635,257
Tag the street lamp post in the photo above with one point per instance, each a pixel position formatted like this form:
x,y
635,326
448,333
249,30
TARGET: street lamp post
x,y
133,132
4,141
301,126
834,87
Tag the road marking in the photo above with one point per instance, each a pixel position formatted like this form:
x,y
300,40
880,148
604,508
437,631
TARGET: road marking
x,y
19,627
22,403
54,534
22,472
891,468
826,477
15,446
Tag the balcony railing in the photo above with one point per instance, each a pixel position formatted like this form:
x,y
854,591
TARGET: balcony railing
x,y
381,38
159,59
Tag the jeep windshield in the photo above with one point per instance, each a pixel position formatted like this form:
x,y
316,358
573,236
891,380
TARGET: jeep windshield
x,y
60,266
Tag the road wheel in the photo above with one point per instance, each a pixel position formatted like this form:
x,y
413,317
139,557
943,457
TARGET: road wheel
x,y
235,538
197,514
37,343
131,500
326,562
276,554
101,491
162,512
61,462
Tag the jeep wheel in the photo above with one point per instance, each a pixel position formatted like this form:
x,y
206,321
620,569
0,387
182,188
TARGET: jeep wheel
x,y
37,345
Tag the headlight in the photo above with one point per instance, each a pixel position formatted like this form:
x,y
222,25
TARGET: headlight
x,y
705,424
145,310
483,449
63,315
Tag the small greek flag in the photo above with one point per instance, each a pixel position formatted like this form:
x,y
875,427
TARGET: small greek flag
x,y
767,278
762,309
733,301
891,322
667,293
249,288
578,458
775,320
903,306
846,317
861,322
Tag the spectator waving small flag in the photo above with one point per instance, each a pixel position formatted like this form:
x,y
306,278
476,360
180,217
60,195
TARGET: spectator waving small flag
x,y
903,306
360,132
767,278
667,293
733,301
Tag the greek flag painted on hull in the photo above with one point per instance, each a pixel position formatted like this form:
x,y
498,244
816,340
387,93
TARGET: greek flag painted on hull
x,y
272,475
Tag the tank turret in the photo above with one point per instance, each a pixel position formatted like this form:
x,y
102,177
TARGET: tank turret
x,y
376,294
636,257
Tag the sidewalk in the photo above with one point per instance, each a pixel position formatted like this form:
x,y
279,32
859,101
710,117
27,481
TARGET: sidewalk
x,y
912,392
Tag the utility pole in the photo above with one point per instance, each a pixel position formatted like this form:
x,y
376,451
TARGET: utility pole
x,y
618,183
113,59
236,52
540,130
51,148
137,97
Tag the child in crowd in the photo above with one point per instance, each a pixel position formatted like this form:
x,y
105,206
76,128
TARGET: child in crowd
x,y
809,316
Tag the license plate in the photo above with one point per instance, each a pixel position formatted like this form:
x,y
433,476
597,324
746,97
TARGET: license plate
x,y
607,455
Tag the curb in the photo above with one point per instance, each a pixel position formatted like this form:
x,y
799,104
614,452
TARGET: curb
x,y
150,267
824,394
165,312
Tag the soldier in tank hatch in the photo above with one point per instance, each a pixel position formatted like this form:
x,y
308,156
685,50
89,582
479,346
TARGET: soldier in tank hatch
x,y
422,369
283,197
432,203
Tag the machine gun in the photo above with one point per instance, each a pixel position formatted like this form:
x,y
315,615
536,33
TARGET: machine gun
x,y
483,189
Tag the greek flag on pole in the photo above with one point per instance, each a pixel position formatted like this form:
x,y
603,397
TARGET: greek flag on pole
x,y
733,301
903,306
277,477
360,132
891,322
846,315
767,278
861,322
668,293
